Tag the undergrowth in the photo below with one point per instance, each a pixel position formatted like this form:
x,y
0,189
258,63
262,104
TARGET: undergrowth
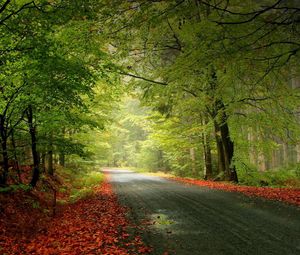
x,y
27,211
79,182
284,177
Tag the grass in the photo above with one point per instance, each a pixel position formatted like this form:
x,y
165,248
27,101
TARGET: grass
x,y
285,177
79,183
84,184
15,187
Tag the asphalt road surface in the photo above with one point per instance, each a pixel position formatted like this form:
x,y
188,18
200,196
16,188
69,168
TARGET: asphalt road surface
x,y
192,220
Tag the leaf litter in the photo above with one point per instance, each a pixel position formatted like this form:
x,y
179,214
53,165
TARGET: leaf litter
x,y
95,225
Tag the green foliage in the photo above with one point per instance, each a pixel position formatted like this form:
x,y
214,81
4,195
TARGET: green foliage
x,y
51,61
187,69
283,177
79,179
15,188
84,183
35,205
80,194
196,75
149,156
88,180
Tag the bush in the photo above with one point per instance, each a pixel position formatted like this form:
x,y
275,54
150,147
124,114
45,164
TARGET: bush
x,y
14,188
88,180
285,177
78,194
84,184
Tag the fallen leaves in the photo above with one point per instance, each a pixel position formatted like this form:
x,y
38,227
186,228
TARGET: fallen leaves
x,y
96,225
288,195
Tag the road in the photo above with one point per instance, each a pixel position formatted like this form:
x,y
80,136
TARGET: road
x,y
192,220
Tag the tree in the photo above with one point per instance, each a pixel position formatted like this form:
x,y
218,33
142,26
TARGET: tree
x,y
163,40
50,61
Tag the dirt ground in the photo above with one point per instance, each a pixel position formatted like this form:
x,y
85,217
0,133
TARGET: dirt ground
x,y
189,220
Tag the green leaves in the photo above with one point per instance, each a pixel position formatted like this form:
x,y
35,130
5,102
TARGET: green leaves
x,y
220,64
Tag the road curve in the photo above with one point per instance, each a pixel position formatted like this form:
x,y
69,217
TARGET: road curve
x,y
192,220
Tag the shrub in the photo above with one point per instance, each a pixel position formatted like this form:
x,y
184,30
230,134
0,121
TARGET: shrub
x,y
284,177
78,194
84,184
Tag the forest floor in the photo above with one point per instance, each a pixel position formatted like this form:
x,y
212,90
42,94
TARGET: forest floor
x,y
191,219
94,225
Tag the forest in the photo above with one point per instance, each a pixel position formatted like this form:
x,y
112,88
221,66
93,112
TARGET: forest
x,y
199,89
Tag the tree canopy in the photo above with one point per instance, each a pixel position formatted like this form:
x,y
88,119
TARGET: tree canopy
x,y
203,87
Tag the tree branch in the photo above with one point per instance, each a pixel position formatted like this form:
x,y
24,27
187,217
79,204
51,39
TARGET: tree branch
x,y
28,5
143,78
255,15
4,6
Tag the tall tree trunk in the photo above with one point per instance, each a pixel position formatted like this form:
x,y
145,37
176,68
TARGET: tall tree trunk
x,y
43,161
285,154
225,145
228,149
208,171
252,150
298,153
16,164
4,174
262,162
207,158
62,153
50,156
55,158
35,155
160,159
62,159
220,149
50,161
5,166
193,161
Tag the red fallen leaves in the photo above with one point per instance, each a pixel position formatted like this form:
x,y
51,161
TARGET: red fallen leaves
x,y
291,196
96,225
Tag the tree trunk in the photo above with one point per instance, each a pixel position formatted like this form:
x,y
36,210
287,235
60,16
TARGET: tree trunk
x,y
220,152
228,149
262,162
208,162
35,155
193,161
62,153
62,159
55,158
50,162
5,166
225,145
160,159
298,153
50,156
4,174
207,157
43,161
15,156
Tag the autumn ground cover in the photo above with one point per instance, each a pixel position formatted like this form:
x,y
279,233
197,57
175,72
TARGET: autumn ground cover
x,y
287,195
94,225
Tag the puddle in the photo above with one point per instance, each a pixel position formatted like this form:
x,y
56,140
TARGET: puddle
x,y
161,220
